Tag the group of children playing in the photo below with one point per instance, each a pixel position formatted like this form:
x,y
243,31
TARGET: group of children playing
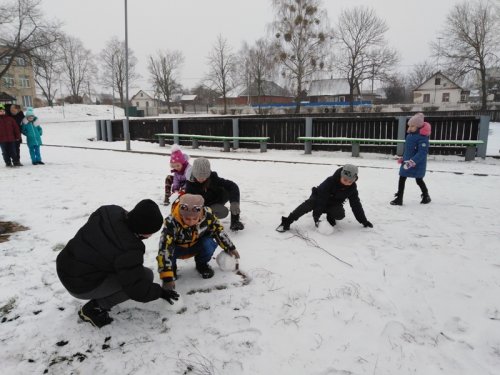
x,y
193,228
13,123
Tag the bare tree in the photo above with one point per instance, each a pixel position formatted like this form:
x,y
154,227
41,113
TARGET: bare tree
x,y
470,41
259,65
23,29
302,34
47,66
363,52
221,62
113,72
77,66
163,70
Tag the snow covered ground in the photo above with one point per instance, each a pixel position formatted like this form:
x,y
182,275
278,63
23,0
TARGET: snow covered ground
x,y
417,294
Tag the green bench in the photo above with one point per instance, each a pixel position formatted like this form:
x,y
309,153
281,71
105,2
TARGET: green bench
x,y
470,145
355,142
195,138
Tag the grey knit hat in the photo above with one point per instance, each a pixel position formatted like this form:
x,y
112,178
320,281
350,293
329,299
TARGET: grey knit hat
x,y
350,172
201,168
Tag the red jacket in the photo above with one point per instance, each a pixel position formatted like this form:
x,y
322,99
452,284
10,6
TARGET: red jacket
x,y
9,131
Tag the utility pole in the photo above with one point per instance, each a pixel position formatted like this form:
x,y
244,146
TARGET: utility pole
x,y
126,123
113,83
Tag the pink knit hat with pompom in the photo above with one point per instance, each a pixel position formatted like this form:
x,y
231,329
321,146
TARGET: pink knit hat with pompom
x,y
177,156
417,120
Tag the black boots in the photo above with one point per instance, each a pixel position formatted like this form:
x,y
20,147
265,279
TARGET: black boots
x,y
398,201
285,224
205,270
425,198
94,314
236,224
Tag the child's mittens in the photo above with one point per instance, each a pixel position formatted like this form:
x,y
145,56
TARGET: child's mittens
x,y
409,164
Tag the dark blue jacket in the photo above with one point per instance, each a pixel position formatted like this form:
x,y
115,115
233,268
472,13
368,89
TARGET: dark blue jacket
x,y
416,149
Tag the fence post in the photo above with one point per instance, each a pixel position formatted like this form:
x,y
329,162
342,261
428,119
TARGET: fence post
x,y
109,131
236,133
484,126
400,147
103,129
309,133
175,126
97,130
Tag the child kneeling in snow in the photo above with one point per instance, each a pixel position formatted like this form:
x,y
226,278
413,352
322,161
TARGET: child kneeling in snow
x,y
181,170
329,198
190,230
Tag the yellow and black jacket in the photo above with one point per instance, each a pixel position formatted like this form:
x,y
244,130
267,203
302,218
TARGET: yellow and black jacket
x,y
176,233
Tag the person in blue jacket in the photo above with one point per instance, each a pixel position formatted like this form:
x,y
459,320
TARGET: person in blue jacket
x,y
414,160
33,133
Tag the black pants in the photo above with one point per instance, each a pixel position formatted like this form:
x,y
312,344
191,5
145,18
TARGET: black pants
x,y
9,152
110,292
334,211
420,182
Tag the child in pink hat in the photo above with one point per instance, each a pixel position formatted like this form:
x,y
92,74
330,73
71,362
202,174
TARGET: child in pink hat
x,y
181,170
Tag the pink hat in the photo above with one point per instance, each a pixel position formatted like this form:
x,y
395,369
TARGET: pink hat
x,y
177,156
417,120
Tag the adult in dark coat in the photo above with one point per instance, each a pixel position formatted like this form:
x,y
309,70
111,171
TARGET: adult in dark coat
x,y
216,191
15,111
9,135
329,198
104,261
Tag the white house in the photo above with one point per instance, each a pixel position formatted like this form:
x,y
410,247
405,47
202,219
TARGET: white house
x,y
438,90
145,100
330,90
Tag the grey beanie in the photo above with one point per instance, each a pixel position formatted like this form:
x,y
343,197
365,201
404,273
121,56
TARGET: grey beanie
x,y
350,172
201,168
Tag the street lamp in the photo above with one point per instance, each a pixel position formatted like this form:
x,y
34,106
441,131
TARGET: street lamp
x,y
125,123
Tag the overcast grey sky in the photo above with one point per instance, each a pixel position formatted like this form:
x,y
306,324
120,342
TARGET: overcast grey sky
x,y
192,26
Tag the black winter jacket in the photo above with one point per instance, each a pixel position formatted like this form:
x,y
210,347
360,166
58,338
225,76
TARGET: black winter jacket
x,y
332,192
214,190
106,246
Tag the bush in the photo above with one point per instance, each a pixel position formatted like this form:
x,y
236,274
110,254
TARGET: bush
x,y
377,108
432,108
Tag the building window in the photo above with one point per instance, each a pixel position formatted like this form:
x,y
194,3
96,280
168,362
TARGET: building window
x,y
24,82
437,81
446,97
137,104
8,81
27,101
141,95
341,98
147,104
427,98
20,61
463,97
4,60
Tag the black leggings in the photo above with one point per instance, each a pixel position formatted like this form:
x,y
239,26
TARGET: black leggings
x,y
420,183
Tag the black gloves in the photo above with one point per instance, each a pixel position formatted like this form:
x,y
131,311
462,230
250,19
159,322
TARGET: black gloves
x,y
169,295
367,224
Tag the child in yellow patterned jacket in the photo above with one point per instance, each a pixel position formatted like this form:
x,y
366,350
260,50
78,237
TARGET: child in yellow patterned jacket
x,y
190,230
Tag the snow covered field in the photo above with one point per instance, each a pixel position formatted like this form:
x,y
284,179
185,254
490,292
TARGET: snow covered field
x,y
417,294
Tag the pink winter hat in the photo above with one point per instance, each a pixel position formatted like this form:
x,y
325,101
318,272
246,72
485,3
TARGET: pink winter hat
x,y
417,120
177,156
